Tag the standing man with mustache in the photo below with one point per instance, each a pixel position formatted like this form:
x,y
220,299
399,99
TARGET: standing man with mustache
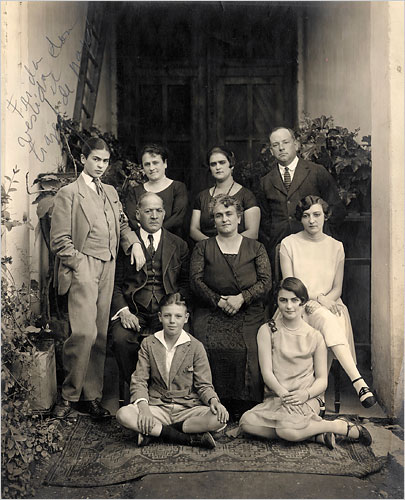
x,y
88,225
292,180
137,293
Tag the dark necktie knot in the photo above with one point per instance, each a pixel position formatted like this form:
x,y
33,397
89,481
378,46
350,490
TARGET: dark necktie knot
x,y
287,178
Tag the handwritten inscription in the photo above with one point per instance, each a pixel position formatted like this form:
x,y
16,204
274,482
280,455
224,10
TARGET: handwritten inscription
x,y
45,87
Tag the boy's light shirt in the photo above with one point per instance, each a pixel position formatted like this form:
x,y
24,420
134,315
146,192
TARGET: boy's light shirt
x,y
88,179
183,338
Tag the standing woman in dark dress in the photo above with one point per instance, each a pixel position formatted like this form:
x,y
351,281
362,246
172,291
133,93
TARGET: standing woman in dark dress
x,y
173,193
230,276
221,162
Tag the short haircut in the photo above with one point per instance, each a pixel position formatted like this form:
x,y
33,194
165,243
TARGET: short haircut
x,y
147,194
283,128
154,149
223,150
94,143
227,201
307,202
295,286
173,298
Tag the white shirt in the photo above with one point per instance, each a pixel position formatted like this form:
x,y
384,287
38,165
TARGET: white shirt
x,y
183,338
156,237
291,167
88,179
144,235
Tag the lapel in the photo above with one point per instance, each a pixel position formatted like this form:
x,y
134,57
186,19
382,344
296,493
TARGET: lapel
x,y
277,181
159,355
178,359
88,207
168,249
114,205
300,174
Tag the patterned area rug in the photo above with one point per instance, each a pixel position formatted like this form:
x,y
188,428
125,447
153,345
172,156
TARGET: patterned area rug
x,y
97,454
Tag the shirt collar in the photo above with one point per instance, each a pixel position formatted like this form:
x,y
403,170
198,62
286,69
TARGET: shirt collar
x,y
292,166
88,179
156,237
184,337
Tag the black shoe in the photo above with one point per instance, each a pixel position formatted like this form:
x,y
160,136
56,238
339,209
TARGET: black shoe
x,y
204,440
62,409
365,395
94,409
143,440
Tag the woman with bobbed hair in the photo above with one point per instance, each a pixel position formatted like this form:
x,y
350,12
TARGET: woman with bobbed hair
x,y
230,277
221,162
173,193
318,261
292,357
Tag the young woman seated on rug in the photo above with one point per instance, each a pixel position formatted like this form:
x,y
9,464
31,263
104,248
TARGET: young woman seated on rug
x,y
293,363
172,395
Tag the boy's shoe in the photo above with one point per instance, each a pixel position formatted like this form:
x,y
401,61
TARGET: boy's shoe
x,y
143,440
62,409
204,440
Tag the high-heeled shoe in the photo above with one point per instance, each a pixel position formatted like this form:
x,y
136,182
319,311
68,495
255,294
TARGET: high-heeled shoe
x,y
364,436
365,395
327,438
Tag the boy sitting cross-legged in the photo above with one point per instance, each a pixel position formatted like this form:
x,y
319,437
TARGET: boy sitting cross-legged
x,y
172,395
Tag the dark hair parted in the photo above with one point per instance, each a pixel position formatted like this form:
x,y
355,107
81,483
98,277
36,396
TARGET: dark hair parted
x,y
223,150
173,298
227,201
295,286
307,202
94,143
154,149
275,129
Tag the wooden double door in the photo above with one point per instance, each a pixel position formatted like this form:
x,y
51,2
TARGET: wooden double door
x,y
193,75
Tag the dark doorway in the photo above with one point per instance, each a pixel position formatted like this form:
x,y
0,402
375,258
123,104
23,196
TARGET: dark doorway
x,y
194,74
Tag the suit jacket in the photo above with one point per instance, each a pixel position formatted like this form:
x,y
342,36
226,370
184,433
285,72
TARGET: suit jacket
x,y
309,178
189,383
72,219
175,269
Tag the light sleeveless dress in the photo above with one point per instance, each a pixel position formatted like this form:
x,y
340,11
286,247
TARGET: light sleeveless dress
x,y
315,263
293,366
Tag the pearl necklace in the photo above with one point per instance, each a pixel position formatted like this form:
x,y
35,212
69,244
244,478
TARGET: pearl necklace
x,y
291,329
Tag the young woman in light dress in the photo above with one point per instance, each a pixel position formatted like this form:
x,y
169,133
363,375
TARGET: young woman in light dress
x,y
318,261
293,363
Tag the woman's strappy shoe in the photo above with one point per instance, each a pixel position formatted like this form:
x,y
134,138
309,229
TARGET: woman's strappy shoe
x,y
364,436
365,395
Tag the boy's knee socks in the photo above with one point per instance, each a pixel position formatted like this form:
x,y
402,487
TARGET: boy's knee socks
x,y
171,434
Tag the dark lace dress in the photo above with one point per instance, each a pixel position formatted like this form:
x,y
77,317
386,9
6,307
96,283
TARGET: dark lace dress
x,y
230,341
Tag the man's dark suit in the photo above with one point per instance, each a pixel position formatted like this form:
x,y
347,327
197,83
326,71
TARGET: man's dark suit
x,y
175,277
309,178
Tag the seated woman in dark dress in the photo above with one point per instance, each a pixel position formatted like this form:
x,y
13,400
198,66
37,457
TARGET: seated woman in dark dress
x,y
230,276
173,193
221,162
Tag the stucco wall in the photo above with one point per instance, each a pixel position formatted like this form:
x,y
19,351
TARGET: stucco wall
x,y
41,54
335,76
387,305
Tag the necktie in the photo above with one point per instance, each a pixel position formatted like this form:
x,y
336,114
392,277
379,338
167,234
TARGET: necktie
x,y
151,248
287,178
99,187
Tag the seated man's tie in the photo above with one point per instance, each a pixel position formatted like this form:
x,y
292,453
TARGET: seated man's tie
x,y
287,178
151,248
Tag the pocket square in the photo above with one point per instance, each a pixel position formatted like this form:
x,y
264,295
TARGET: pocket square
x,y
189,369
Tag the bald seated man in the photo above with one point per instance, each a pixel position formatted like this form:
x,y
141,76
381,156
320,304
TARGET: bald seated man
x,y
136,295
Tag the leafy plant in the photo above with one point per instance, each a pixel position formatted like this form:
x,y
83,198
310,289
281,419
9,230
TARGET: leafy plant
x,y
25,437
337,149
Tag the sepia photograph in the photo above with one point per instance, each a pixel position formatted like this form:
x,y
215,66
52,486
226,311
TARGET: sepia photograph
x,y
202,221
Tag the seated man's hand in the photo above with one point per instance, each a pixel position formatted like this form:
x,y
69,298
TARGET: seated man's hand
x,y
145,418
219,410
129,320
137,256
